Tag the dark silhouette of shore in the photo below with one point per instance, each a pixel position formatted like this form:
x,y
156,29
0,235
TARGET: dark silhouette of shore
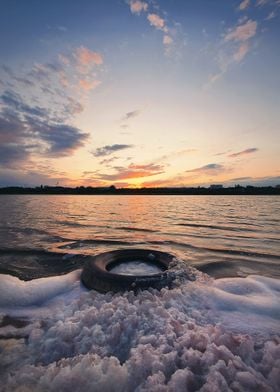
x,y
112,190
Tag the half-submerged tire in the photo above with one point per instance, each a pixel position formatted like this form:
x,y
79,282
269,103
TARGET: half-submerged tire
x,y
96,272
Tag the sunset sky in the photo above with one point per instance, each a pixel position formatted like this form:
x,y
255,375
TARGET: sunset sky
x,y
139,93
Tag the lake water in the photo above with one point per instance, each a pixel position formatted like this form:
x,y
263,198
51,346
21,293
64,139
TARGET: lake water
x,y
224,236
218,332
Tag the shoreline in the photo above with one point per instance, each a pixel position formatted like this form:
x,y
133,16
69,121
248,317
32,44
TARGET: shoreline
x,y
230,191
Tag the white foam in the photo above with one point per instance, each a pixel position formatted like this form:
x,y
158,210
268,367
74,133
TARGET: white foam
x,y
136,267
251,294
15,292
200,335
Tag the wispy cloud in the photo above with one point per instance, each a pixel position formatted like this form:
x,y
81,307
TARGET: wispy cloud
x,y
156,21
110,149
88,85
244,152
137,6
222,153
244,5
241,52
67,79
108,161
152,167
271,15
261,3
242,32
176,154
75,70
132,114
24,80
235,45
81,65
13,101
210,169
132,172
167,40
238,41
87,57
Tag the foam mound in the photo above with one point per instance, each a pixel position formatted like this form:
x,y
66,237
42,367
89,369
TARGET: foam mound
x,y
202,335
136,267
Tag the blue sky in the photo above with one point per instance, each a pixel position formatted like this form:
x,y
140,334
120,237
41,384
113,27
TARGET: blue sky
x,y
133,93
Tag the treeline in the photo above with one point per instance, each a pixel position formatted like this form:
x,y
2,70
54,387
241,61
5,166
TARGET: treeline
x,y
112,190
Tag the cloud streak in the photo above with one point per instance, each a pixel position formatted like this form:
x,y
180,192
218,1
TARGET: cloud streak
x,y
110,149
235,45
132,172
210,169
244,152
131,114
242,32
244,5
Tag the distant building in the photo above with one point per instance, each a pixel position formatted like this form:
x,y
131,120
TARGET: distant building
x,y
216,186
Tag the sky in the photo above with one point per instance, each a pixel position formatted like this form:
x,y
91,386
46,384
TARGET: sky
x,y
138,93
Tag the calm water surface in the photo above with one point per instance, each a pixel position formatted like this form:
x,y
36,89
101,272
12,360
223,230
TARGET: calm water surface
x,y
221,235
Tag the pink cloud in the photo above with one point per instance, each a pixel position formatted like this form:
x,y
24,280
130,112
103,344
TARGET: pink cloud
x,y
242,32
244,5
87,57
78,69
241,52
167,40
137,6
238,40
88,85
156,21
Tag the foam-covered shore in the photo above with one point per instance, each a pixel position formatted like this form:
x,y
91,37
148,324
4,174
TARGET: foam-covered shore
x,y
202,335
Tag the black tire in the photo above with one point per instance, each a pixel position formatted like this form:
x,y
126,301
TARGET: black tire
x,y
96,272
